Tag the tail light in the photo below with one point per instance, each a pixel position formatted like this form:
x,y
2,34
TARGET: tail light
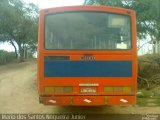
x,y
125,89
58,89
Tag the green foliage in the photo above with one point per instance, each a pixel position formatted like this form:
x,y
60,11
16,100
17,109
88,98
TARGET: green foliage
x,y
19,25
6,57
104,2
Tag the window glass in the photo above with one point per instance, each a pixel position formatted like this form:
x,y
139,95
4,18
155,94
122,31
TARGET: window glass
x,y
87,31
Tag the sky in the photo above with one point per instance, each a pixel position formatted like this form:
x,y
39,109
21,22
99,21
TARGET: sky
x,y
44,4
54,3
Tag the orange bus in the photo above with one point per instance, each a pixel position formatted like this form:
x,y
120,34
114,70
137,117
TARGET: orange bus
x,y
87,56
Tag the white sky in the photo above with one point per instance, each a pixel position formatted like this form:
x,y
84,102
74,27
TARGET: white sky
x,y
44,4
54,3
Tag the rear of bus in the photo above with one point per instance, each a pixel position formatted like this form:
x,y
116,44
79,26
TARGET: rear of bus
x,y
87,56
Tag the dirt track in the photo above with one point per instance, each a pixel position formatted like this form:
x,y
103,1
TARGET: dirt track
x,y
18,94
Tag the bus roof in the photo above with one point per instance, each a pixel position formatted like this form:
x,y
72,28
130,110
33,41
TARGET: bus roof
x,y
85,8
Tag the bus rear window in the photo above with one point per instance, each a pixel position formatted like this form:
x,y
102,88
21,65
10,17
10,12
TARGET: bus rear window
x,y
87,31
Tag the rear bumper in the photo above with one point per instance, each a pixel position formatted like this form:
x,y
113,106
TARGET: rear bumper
x,y
87,100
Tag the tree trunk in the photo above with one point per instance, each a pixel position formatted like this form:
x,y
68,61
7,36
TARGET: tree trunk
x,y
15,49
158,47
26,53
21,52
154,48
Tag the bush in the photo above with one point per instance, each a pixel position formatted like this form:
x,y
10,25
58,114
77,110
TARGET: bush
x,y
6,57
149,65
149,70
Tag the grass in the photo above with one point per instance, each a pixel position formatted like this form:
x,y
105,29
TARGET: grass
x,y
142,102
146,93
147,99
158,101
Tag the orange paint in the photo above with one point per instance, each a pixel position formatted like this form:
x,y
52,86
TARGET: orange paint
x,y
75,97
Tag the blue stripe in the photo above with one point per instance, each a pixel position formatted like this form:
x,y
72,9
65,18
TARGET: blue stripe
x,y
87,68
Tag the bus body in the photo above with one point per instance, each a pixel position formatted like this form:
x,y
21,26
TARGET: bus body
x,y
87,56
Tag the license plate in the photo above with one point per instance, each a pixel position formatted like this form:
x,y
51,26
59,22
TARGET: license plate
x,y
88,90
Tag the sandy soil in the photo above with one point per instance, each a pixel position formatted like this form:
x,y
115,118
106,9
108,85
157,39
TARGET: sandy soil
x,y
18,94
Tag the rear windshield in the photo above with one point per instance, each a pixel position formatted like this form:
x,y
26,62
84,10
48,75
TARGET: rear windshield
x,y
87,31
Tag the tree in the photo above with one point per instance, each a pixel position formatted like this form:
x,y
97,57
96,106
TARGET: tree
x,y
18,25
6,16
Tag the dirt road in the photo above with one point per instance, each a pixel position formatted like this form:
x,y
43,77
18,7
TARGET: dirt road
x,y
18,94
